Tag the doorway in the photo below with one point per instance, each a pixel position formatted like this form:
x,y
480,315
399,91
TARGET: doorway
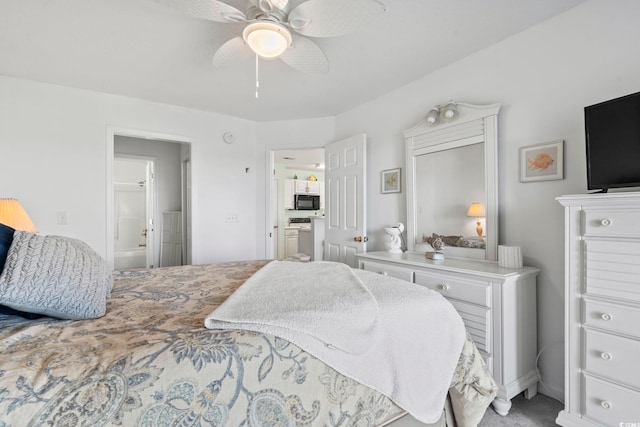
x,y
165,191
133,213
287,165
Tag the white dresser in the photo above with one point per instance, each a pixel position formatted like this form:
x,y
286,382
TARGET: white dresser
x,y
497,305
602,314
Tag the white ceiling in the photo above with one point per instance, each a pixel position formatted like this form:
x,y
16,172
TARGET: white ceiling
x,y
305,159
142,49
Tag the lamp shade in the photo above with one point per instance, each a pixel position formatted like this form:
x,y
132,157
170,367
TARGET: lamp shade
x,y
13,214
476,210
267,39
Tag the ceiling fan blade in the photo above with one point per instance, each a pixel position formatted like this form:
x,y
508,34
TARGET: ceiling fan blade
x,y
270,5
231,53
306,56
212,10
330,18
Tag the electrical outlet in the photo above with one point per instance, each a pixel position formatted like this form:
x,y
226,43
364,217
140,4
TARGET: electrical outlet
x,y
62,218
232,217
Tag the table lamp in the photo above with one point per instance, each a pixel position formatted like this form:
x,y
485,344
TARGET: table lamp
x,y
477,210
13,214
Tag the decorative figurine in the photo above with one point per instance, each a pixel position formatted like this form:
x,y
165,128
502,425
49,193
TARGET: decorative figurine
x,y
437,244
394,241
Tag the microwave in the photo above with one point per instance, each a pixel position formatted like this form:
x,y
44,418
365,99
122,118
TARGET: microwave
x,y
306,202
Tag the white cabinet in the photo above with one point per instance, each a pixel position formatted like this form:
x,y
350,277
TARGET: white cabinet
x,y
602,309
306,187
497,305
321,185
288,194
290,242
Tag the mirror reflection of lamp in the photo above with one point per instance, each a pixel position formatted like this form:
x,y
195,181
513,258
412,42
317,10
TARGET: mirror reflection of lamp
x,y
13,214
477,211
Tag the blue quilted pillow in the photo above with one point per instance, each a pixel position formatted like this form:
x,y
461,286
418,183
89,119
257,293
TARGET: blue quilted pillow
x,y
55,276
6,237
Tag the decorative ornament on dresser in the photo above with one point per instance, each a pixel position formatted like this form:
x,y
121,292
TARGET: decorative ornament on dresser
x,y
394,241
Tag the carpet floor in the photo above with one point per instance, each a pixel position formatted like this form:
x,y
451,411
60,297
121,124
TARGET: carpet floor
x,y
541,411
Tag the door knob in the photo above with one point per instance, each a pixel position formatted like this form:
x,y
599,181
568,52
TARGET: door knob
x,y
361,239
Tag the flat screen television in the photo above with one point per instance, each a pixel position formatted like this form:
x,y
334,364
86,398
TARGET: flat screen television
x,y
613,143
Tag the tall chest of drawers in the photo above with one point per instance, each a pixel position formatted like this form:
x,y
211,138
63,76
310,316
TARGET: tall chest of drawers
x,y
497,305
602,310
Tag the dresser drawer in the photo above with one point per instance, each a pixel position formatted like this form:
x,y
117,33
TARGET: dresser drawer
x,y
613,317
610,222
388,270
612,268
612,356
460,288
610,404
477,321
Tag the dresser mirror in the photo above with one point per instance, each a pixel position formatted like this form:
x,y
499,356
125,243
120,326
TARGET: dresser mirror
x,y
452,181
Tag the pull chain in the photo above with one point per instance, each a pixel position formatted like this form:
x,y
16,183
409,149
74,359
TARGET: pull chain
x,y
257,81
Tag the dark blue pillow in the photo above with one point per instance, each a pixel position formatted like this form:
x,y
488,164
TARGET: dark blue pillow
x,y
6,238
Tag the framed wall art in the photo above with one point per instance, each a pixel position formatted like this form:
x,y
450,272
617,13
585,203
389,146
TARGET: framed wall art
x,y
390,180
542,162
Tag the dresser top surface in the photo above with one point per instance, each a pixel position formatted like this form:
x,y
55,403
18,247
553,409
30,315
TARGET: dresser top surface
x,y
488,268
626,197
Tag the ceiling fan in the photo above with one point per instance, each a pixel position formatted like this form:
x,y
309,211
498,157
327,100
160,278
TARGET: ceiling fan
x,y
275,30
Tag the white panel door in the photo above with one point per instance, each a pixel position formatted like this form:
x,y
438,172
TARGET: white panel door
x,y
345,202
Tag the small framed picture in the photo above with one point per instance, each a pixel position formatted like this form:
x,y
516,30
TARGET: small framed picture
x,y
390,179
542,162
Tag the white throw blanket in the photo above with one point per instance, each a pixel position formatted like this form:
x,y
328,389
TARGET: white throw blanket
x,y
401,339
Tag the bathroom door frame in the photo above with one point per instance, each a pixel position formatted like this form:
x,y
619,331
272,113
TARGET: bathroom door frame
x,y
111,133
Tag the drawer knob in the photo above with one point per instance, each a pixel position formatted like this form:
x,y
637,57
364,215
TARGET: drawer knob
x,y
444,287
606,222
606,356
606,404
606,317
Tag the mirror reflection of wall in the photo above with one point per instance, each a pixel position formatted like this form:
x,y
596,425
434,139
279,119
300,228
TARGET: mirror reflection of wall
x,y
455,179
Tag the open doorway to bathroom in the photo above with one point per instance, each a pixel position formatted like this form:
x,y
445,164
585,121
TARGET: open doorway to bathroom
x,y
133,211
149,200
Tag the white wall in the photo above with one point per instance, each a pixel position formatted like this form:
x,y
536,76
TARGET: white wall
x,y
543,77
54,151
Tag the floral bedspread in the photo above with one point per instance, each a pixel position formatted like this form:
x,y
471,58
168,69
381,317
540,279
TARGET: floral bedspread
x,y
150,362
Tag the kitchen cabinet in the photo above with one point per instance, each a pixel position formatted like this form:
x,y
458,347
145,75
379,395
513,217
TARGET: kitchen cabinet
x,y
289,202
306,187
290,242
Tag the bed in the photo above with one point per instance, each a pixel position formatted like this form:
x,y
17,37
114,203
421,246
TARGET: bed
x,y
149,361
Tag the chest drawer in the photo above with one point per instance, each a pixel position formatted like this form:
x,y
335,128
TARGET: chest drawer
x,y
477,321
617,318
388,270
612,268
610,404
614,223
458,287
611,356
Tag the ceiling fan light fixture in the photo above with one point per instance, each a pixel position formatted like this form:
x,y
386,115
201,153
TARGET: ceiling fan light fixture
x,y
267,39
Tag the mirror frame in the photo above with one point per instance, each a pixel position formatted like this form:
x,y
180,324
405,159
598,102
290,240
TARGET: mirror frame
x,y
475,124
